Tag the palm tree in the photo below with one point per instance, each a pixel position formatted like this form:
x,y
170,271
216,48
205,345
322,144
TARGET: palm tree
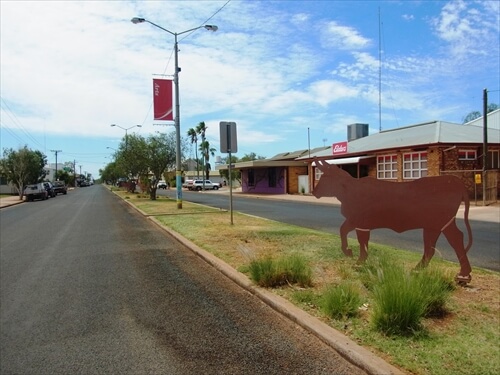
x,y
193,136
201,129
206,151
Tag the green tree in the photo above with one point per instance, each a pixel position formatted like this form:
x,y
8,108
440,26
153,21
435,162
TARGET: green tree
x,y
193,138
111,173
207,151
132,156
235,173
144,159
23,167
251,156
161,157
476,114
64,176
205,148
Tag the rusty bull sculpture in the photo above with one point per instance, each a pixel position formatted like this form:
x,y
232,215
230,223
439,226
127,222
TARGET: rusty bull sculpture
x,y
430,203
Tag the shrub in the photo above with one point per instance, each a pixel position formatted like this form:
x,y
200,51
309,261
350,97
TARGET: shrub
x,y
369,271
265,273
399,303
297,270
436,289
341,301
271,273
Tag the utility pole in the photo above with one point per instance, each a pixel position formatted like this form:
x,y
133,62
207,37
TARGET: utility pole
x,y
56,152
74,173
485,142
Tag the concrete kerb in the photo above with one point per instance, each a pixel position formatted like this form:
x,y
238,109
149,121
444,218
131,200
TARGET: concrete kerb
x,y
10,201
346,347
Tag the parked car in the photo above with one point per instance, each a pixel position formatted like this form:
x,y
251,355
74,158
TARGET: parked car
x,y
162,185
50,189
60,187
187,183
84,183
199,185
35,191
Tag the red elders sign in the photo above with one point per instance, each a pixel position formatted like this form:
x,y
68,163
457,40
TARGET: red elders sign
x,y
339,148
162,100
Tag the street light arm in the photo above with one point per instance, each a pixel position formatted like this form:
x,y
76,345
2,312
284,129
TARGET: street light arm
x,y
118,126
208,27
137,20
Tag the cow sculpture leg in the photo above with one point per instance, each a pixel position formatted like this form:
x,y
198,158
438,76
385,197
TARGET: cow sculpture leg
x,y
430,239
363,238
345,228
456,239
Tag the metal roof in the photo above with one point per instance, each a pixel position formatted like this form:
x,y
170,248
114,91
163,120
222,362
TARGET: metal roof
x,y
425,134
263,163
492,118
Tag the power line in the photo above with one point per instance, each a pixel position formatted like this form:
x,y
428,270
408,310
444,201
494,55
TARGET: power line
x,y
9,112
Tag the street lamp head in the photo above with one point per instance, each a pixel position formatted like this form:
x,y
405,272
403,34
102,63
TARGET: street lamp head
x,y
137,20
113,125
211,28
139,126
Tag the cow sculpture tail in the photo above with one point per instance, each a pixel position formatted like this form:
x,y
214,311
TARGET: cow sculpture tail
x,y
466,220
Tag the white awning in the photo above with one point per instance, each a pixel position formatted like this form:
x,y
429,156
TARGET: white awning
x,y
353,160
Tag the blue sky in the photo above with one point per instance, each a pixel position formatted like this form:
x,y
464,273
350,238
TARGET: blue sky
x,y
289,73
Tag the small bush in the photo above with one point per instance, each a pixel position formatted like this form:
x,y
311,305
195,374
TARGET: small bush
x,y
297,270
369,271
436,289
265,272
341,301
399,303
271,273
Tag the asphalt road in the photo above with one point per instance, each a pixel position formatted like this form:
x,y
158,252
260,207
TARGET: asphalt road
x,y
88,286
485,252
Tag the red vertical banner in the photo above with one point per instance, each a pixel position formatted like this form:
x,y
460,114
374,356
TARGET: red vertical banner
x,y
162,100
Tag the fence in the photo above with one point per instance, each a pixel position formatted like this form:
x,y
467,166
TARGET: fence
x,y
481,185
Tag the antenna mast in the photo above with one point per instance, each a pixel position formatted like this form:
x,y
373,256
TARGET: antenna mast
x,y
379,76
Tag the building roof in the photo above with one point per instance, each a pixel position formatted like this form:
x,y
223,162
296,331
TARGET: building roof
x,y
492,120
297,154
285,159
263,163
425,134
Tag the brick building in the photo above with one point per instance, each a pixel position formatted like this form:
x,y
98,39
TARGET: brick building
x,y
428,149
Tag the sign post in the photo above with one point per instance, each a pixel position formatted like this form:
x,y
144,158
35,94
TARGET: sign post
x,y
229,144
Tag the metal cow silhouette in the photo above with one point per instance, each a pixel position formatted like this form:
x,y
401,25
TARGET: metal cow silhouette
x,y
430,203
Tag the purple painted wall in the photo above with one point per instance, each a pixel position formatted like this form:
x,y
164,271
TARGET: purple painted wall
x,y
261,181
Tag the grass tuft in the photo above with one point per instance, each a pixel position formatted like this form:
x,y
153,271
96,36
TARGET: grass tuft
x,y
341,301
271,273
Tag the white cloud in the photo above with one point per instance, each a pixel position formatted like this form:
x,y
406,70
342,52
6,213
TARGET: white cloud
x,y
342,37
467,26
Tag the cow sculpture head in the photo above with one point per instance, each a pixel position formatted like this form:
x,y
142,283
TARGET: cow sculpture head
x,y
332,182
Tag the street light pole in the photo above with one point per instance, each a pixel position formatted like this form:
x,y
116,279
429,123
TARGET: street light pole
x,y
126,133
177,120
